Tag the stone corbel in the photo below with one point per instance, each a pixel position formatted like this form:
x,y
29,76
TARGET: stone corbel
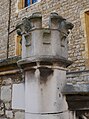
x,y
24,27
59,23
64,28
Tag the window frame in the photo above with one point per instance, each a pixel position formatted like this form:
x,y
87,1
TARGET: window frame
x,y
22,3
18,45
84,15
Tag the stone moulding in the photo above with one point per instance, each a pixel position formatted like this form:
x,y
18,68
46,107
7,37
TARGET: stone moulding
x,y
81,88
45,59
77,90
9,66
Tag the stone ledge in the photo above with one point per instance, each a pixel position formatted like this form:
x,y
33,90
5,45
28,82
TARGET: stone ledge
x,y
77,95
9,64
45,58
78,88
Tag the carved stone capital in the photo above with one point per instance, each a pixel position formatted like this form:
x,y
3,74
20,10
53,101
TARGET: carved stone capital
x,y
65,26
27,23
24,26
60,23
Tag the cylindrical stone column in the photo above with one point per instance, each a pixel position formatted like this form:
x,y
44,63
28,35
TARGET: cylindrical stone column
x,y
43,93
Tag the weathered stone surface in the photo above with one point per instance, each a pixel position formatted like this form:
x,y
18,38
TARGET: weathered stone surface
x,y
64,8
69,9
53,43
19,115
7,105
6,93
64,115
2,108
9,114
7,81
18,96
2,112
78,76
42,79
78,82
39,90
77,88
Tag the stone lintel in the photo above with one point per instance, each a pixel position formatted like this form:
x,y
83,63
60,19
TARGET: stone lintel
x,y
78,88
77,96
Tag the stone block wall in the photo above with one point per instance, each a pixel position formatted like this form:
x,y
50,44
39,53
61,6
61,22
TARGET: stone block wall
x,y
4,11
6,91
80,77
6,84
70,10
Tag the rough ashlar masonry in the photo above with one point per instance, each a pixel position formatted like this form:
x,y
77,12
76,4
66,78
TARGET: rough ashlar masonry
x,y
71,10
4,11
6,85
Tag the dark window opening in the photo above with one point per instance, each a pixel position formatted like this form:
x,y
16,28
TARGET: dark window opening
x,y
33,1
29,2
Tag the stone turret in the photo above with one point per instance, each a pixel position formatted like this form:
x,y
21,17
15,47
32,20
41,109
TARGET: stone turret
x,y
50,42
44,61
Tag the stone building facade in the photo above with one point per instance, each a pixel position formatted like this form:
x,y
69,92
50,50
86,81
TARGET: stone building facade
x,y
71,10
75,11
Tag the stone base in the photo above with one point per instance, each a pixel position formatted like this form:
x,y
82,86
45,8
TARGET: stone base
x,y
64,115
